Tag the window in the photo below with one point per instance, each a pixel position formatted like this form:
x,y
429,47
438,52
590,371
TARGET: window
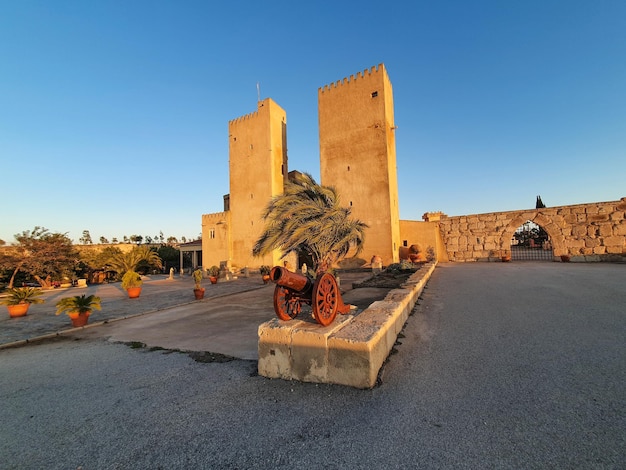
x,y
212,233
405,243
374,94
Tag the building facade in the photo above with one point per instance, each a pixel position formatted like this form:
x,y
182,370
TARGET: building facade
x,y
358,155
258,170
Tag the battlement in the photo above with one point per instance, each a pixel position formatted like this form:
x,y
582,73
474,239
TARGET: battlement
x,y
244,118
367,73
214,218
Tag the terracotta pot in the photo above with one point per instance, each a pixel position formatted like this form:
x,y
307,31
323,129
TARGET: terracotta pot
x,y
18,310
213,279
133,292
266,278
199,293
565,258
506,258
79,319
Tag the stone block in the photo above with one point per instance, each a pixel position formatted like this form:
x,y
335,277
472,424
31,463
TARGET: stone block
x,y
598,218
599,250
614,241
574,243
310,364
274,349
620,229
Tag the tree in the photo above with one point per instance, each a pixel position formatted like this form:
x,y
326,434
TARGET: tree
x,y
136,239
133,259
43,255
86,238
169,255
307,218
104,241
98,260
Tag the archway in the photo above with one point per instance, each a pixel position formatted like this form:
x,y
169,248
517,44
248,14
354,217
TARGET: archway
x,y
546,238
530,242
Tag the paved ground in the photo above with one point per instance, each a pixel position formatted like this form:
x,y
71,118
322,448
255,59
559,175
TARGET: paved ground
x,y
501,365
167,316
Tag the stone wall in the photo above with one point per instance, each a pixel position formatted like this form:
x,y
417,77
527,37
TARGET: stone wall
x,y
585,232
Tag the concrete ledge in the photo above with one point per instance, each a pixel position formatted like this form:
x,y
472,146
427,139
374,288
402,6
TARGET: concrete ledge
x,y
350,352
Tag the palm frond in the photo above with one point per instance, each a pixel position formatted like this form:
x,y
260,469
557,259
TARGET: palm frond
x,y
307,218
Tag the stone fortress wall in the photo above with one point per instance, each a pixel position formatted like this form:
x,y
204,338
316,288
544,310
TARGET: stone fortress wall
x,y
585,232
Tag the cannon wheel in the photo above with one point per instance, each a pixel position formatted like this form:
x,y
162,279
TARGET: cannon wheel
x,y
325,299
286,305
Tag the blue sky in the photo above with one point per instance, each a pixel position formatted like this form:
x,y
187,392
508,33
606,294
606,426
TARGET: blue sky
x,y
114,114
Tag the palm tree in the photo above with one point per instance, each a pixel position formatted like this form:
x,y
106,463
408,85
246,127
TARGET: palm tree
x,y
129,261
307,218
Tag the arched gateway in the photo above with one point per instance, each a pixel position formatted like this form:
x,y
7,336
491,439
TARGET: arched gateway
x,y
582,232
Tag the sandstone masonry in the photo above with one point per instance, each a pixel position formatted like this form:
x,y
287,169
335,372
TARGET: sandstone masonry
x,y
585,232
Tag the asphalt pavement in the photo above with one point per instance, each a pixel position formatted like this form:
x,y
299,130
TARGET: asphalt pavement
x,y
500,365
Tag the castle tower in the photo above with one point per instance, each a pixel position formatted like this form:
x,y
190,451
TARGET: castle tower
x,y
258,171
358,155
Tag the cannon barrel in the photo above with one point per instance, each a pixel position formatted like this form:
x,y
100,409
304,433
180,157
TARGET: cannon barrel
x,y
294,281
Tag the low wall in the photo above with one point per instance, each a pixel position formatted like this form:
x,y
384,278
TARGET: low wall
x,y
350,351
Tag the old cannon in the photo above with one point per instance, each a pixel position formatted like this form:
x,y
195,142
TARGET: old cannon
x,y
292,290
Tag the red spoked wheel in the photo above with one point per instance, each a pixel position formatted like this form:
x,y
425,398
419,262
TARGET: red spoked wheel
x,y
325,299
286,305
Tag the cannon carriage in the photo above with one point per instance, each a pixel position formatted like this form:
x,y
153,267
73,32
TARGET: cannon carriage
x,y
293,290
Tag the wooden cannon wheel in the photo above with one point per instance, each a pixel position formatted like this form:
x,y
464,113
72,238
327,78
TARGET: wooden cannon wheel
x,y
286,305
326,298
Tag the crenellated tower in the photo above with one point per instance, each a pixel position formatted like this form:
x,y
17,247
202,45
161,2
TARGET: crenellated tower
x,y
258,171
358,155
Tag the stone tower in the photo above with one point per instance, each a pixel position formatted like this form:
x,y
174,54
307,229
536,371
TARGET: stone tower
x,y
258,171
358,155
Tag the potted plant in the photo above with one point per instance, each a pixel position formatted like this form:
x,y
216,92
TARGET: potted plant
x,y
19,299
214,272
198,290
78,308
265,273
131,281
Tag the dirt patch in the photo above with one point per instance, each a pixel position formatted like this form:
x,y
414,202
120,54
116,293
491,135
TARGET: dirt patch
x,y
386,279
